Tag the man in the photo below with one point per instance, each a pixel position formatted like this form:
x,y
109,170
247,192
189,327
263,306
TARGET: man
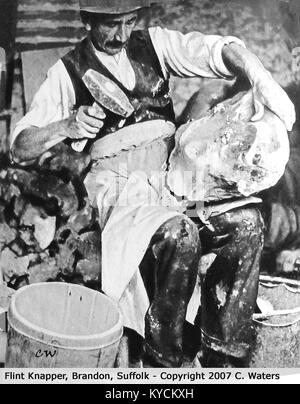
x,y
140,63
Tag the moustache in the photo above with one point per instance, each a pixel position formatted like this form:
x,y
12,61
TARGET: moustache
x,y
116,44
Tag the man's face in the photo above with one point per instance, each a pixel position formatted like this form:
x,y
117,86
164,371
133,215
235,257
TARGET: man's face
x,y
111,34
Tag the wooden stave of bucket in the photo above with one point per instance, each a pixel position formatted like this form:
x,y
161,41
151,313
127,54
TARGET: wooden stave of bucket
x,y
23,352
3,346
43,349
277,339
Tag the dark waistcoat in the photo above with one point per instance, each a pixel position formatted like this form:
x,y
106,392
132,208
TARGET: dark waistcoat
x,y
151,94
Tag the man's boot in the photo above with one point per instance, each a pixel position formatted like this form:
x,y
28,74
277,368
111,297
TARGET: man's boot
x,y
213,359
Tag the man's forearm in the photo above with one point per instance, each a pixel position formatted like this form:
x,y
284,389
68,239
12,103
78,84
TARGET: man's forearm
x,y
242,62
31,143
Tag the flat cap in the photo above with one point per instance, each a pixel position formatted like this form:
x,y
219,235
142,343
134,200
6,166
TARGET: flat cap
x,y
113,6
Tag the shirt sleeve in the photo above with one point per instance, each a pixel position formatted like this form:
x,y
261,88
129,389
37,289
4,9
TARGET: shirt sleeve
x,y
191,55
53,102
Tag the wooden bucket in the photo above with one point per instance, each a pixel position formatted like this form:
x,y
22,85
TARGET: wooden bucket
x,y
3,346
5,298
278,332
59,325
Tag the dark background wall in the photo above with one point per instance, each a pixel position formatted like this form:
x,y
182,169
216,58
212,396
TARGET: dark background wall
x,y
263,24
8,17
270,28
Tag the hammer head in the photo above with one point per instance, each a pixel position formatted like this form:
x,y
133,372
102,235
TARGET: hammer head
x,y
107,93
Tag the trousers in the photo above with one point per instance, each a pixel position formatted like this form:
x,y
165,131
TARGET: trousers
x,y
229,287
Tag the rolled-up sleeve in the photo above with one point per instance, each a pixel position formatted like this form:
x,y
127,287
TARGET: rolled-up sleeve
x,y
53,102
193,54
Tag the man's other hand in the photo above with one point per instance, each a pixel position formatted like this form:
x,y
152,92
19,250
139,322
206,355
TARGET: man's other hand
x,y
266,92
86,122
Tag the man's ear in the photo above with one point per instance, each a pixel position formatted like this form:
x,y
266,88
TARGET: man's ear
x,y
85,18
88,26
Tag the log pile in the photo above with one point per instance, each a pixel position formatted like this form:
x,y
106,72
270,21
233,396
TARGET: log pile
x,y
48,230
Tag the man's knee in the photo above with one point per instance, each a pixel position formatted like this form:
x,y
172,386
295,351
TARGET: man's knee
x,y
252,225
247,221
182,233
